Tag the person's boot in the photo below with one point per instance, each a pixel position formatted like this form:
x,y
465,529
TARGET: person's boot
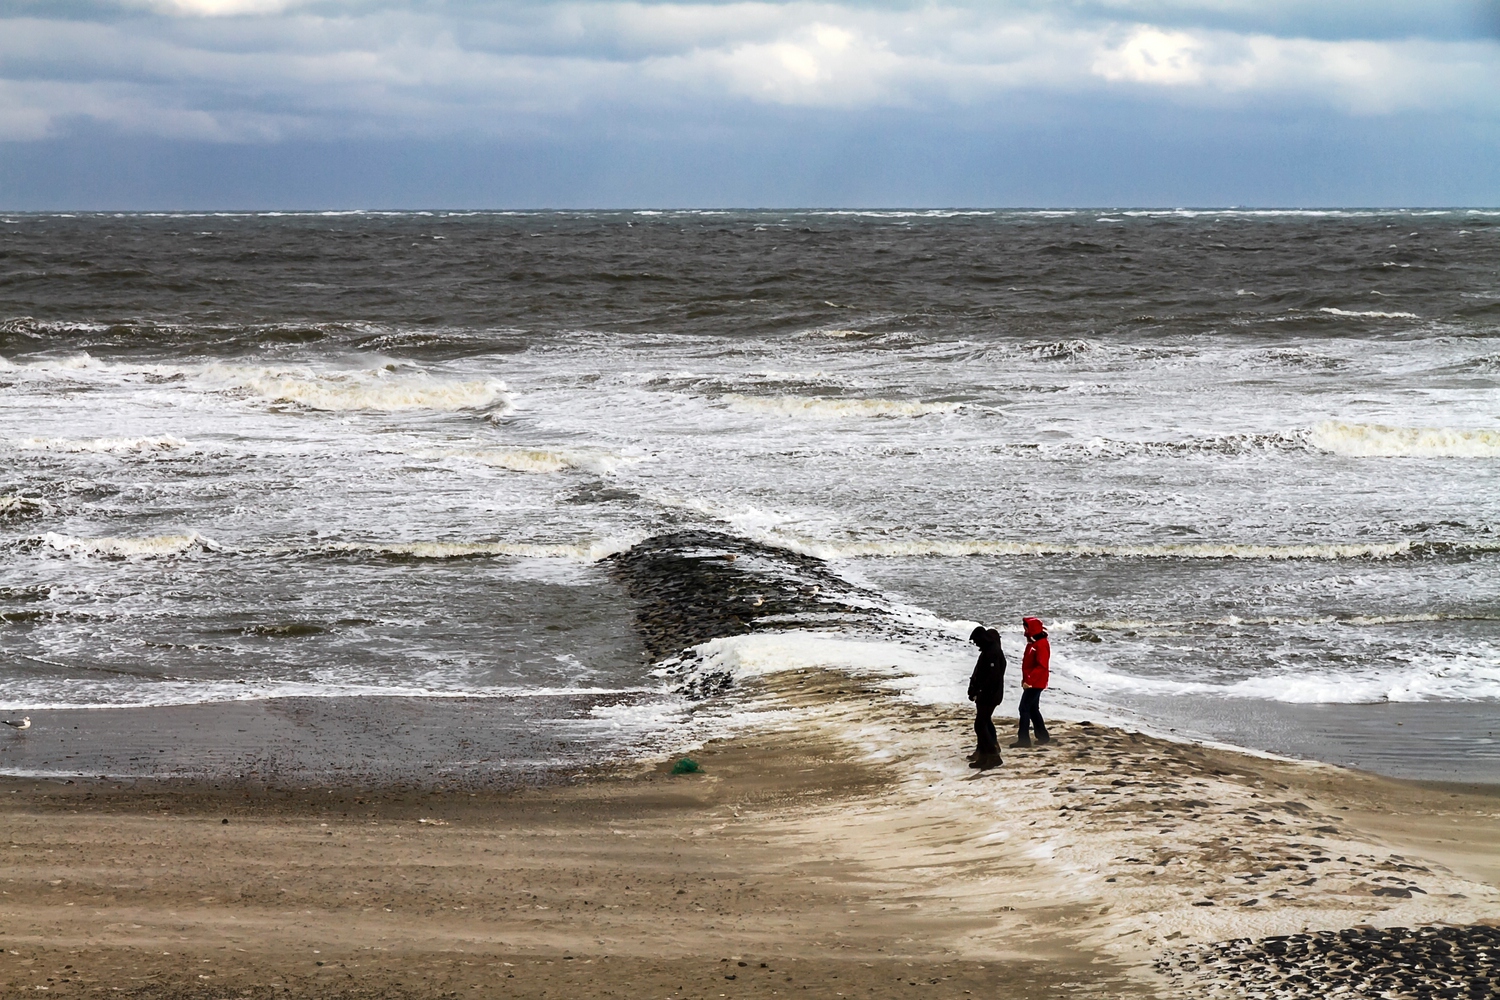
x,y
1022,742
985,761
1043,739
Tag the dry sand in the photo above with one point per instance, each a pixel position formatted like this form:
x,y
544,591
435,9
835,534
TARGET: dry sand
x,y
840,849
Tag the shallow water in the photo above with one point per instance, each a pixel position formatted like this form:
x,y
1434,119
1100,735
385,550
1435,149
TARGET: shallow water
x,y
1244,464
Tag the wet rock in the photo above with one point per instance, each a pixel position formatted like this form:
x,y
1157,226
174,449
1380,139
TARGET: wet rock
x,y
692,586
1439,961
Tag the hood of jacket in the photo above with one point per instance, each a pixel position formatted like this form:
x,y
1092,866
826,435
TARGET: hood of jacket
x,y
1033,626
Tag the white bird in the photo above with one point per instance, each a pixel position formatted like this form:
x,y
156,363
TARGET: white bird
x,y
24,722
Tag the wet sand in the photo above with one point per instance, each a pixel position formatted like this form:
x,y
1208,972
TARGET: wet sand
x,y
843,847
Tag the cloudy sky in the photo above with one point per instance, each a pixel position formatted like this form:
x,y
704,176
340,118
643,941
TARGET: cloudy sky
x,y
469,103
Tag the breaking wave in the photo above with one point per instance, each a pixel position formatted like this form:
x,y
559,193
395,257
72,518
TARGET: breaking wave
x,y
1469,676
153,547
1235,621
1334,437
377,389
111,446
897,548
586,551
1379,441
1367,313
1060,350
532,460
13,505
835,408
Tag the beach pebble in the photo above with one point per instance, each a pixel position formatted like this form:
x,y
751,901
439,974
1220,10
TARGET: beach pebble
x,y
1438,961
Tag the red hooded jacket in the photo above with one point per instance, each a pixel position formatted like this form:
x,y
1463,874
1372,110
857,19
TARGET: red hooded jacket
x,y
1038,655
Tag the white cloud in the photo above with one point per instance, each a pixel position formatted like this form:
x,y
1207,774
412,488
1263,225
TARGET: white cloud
x,y
1151,55
219,8
280,68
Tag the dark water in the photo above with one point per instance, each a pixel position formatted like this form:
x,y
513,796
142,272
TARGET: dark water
x,y
1244,463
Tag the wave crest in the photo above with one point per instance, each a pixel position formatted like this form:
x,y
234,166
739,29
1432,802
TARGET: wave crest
x,y
836,408
378,390
153,547
15,506
1367,313
1337,437
1380,441
589,551
1469,676
111,446
533,460
897,548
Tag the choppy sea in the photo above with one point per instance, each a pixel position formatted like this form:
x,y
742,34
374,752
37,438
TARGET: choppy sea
x,y
1244,464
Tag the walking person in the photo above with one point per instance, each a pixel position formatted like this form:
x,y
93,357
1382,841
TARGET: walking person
x,y
1034,675
986,691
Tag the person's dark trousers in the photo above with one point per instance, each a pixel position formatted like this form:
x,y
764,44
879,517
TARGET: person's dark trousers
x,y
984,726
1031,714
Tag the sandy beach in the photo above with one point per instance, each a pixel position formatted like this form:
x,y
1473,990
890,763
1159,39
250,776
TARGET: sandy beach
x,y
841,848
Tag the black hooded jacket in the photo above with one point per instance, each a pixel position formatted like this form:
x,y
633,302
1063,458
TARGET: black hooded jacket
x,y
988,680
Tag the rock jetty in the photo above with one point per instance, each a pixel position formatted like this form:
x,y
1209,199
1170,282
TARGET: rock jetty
x,y
693,586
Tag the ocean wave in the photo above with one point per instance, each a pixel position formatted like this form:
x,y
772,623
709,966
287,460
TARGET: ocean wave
x,y
153,547
1353,440
81,361
377,389
62,695
1236,621
1060,350
1367,313
1380,441
533,460
13,506
907,547
842,334
112,446
836,408
1468,676
587,551
1222,444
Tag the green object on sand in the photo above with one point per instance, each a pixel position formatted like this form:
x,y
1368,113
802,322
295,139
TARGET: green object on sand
x,y
685,766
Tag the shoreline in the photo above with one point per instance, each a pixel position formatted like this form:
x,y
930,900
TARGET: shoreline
x,y
206,750
842,837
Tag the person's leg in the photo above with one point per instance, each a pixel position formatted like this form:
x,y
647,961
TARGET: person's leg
x,y
983,726
991,738
1023,729
1036,717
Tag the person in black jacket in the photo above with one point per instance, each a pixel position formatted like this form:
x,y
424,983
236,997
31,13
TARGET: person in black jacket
x,y
986,690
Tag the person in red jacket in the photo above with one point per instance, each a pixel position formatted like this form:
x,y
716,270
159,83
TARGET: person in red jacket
x,y
1034,664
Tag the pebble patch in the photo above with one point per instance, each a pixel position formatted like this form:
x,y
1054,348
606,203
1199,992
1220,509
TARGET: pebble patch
x,y
1390,963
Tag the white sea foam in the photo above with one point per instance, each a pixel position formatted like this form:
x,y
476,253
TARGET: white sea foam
x,y
17,506
112,446
155,546
534,460
63,694
1235,621
895,548
1379,441
585,551
378,389
932,672
1367,313
1473,675
836,408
